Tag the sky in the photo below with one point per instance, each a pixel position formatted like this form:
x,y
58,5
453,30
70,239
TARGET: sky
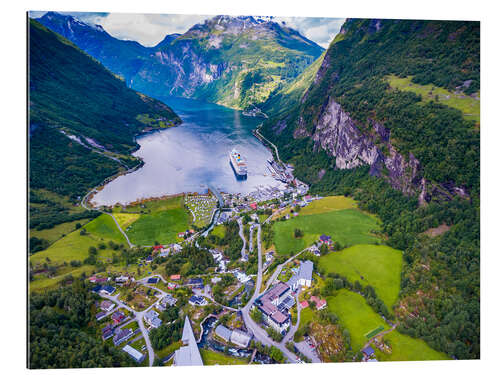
x,y
150,29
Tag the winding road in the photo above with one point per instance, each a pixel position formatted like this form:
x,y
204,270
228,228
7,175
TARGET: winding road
x,y
240,223
259,333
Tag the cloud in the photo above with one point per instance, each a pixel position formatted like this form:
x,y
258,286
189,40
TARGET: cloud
x,y
322,30
150,29
147,29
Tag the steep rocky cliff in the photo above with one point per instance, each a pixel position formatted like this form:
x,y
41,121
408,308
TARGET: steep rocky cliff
x,y
351,113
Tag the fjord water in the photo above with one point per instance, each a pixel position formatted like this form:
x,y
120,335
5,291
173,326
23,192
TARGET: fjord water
x,y
193,156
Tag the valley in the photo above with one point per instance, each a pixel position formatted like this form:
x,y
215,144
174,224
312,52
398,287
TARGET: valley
x,y
321,253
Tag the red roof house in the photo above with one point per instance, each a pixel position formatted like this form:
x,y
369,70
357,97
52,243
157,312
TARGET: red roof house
x,y
304,304
253,206
175,277
320,303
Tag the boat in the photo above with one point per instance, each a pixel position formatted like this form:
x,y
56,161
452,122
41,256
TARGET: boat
x,y
238,163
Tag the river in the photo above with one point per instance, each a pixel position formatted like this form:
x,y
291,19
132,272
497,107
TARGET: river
x,y
192,156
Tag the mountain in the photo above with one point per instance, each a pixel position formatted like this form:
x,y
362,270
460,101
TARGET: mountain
x,y
289,94
387,120
82,122
233,61
122,57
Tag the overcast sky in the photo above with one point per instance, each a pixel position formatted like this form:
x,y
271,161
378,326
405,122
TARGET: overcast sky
x,y
150,29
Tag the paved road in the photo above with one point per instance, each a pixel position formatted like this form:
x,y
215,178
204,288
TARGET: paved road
x,y
279,268
259,333
130,244
240,223
138,316
250,240
294,328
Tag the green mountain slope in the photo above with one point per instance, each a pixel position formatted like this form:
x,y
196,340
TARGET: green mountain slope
x,y
289,94
412,160
233,61
77,107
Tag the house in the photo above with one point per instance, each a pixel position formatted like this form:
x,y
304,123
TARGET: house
x,y
180,234
121,279
151,317
197,300
215,279
117,317
107,289
107,305
223,332
304,304
100,315
96,289
171,286
122,335
253,206
158,247
195,283
320,303
188,355
168,299
107,332
152,280
135,354
324,239
368,352
240,338
241,276
149,259
164,252
269,256
175,277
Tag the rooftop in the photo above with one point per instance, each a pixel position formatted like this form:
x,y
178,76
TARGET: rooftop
x,y
188,355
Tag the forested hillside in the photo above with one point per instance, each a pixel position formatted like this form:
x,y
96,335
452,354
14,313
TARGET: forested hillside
x,y
71,92
413,161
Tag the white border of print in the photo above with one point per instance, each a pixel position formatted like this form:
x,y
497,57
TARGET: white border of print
x,y
13,153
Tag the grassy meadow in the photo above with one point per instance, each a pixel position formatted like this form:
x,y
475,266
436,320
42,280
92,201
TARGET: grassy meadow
x,y
327,204
377,265
75,246
468,105
214,358
161,226
406,348
348,227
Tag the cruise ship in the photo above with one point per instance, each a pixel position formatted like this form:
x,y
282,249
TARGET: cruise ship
x,y
238,163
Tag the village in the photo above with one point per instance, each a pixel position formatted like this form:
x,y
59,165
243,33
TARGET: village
x,y
129,309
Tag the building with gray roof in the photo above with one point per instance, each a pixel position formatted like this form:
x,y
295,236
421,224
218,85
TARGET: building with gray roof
x,y
240,338
305,273
135,354
223,332
188,355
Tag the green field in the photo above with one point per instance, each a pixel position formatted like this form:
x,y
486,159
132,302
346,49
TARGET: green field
x,y
125,220
58,231
74,246
379,265
161,226
468,105
214,358
355,315
219,231
406,348
327,204
348,227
